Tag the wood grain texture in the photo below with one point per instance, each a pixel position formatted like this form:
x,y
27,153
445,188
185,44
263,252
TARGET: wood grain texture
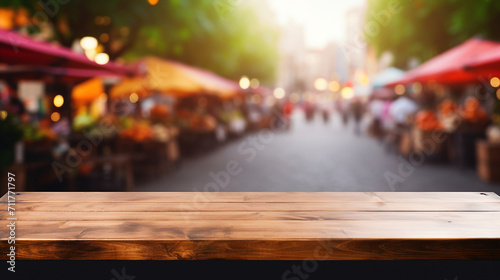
x,y
231,197
251,215
254,226
331,249
259,206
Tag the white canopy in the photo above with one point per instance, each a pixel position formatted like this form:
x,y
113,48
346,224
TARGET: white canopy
x,y
387,76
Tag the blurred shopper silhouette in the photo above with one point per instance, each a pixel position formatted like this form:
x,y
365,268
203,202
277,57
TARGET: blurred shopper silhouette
x,y
357,114
399,111
342,108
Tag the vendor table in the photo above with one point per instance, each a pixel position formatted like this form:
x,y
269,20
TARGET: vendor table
x,y
253,226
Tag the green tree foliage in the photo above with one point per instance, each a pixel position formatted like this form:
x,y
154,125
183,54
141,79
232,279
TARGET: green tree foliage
x,y
229,37
424,28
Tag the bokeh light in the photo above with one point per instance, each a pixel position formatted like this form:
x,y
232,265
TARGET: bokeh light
x,y
495,82
254,83
104,37
244,82
400,89
55,117
279,93
88,43
364,79
90,54
320,84
334,86
3,115
102,58
134,97
416,88
347,93
58,101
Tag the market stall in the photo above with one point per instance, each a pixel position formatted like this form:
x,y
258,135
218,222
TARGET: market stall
x,y
487,67
37,99
199,100
380,99
451,103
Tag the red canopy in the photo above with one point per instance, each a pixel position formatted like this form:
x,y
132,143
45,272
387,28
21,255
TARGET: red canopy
x,y
49,74
16,49
448,67
486,64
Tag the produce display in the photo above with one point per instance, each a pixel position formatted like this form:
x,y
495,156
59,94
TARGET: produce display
x,y
82,121
449,113
205,122
196,121
451,116
473,113
448,108
33,134
159,112
427,120
138,131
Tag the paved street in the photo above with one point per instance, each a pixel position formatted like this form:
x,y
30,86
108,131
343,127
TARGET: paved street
x,y
311,157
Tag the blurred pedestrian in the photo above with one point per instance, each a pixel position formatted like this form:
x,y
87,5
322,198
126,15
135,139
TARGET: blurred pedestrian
x,y
310,109
287,113
357,114
342,108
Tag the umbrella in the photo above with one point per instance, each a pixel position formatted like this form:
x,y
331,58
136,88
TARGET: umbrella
x,y
486,64
215,84
16,49
448,67
49,74
161,76
175,79
387,76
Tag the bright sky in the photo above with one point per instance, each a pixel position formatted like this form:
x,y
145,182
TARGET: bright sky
x,y
323,20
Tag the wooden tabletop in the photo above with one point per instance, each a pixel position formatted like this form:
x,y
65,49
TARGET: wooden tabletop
x,y
253,226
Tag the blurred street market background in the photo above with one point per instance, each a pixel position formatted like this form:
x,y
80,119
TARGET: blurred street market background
x,y
257,95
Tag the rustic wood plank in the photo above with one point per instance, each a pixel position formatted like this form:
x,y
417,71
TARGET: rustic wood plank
x,y
195,197
250,215
333,249
228,197
438,196
257,206
254,230
255,226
